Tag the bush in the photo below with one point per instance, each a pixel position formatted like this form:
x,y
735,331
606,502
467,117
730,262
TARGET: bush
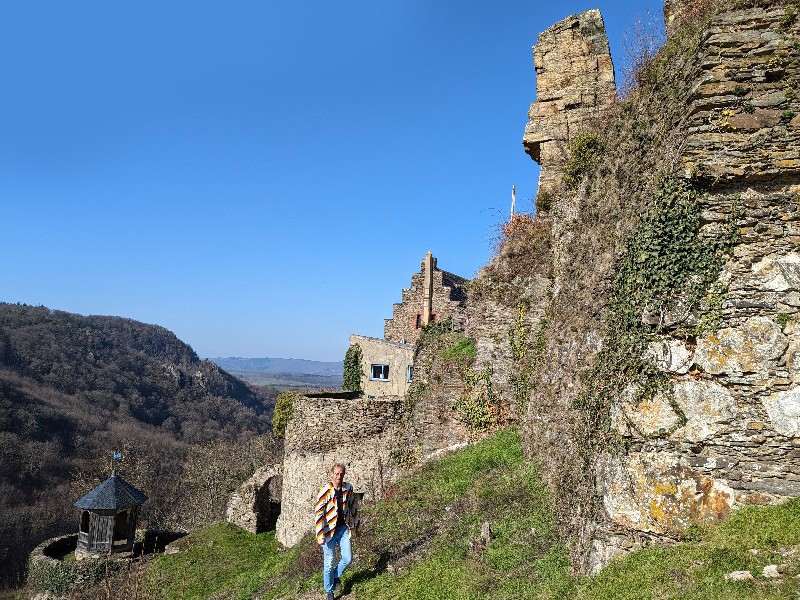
x,y
351,378
284,408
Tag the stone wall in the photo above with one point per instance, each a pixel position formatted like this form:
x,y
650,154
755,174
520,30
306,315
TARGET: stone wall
x,y
574,87
734,435
503,330
51,575
447,297
363,434
726,431
377,439
255,506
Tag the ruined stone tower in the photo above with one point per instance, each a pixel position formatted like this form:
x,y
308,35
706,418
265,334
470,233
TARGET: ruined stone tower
x,y
574,86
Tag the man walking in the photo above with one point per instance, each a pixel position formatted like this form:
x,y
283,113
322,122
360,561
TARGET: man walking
x,y
335,515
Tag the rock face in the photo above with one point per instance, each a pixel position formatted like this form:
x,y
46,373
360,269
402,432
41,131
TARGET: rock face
x,y
574,86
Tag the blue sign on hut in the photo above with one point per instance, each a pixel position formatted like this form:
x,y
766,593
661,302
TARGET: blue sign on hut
x,y
108,517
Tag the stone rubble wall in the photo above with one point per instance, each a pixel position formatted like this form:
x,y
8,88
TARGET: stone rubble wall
x,y
738,386
377,439
362,434
256,498
493,324
574,87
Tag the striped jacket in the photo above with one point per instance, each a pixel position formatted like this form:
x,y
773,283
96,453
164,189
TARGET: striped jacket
x,y
325,511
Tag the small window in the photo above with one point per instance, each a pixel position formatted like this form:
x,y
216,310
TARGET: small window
x,y
409,373
379,372
419,321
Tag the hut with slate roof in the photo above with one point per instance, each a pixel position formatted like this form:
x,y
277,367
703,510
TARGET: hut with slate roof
x,y
108,517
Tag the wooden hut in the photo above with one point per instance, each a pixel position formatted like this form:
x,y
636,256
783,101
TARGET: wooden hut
x,y
108,517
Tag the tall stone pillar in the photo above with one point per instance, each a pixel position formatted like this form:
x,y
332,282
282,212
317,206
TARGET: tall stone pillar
x,y
574,84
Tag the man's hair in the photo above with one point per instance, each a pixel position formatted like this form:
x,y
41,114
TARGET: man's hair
x,y
333,468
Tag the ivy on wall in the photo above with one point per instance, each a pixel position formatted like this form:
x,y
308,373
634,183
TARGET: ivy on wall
x,y
284,408
665,286
479,406
351,377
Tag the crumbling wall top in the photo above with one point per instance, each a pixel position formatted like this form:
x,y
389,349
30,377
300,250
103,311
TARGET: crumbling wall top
x,y
574,84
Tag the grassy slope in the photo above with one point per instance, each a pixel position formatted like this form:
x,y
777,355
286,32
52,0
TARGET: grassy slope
x,y
421,543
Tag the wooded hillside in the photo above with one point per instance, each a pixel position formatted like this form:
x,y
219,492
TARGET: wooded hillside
x,y
73,389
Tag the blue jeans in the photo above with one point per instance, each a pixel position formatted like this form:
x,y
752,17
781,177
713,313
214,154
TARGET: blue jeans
x,y
329,571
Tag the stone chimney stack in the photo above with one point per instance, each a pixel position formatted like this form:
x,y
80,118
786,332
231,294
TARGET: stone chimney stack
x,y
428,265
574,84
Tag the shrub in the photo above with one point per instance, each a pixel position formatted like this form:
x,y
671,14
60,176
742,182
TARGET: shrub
x,y
284,408
584,153
351,378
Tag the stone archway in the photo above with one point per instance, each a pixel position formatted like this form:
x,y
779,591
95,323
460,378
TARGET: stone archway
x,y
255,506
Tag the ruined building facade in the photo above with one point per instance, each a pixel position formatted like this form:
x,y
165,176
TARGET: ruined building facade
x,y
434,296
574,89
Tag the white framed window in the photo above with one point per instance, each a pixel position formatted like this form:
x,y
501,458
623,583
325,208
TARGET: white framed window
x,y
379,372
409,373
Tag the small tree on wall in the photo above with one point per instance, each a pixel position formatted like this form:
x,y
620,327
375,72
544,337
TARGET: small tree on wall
x,y
351,378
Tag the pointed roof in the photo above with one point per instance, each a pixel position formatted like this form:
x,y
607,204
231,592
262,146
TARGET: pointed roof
x,y
113,494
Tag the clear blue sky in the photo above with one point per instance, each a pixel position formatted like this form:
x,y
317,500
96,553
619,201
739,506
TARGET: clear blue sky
x,y
262,178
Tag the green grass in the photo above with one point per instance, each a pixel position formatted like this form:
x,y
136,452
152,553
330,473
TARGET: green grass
x,y
430,529
421,542
220,561
696,569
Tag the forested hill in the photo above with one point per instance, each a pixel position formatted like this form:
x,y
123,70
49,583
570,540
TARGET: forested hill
x,y
75,388
120,368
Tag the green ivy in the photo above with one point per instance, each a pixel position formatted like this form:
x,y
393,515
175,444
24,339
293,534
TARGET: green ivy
x,y
668,273
284,408
351,377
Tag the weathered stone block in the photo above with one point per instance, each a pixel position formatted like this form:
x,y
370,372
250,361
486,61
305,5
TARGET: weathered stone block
x,y
752,348
671,356
783,409
655,492
649,417
779,273
707,406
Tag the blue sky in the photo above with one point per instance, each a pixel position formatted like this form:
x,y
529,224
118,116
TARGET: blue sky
x,y
262,178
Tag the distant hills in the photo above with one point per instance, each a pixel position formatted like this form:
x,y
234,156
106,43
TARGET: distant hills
x,y
284,373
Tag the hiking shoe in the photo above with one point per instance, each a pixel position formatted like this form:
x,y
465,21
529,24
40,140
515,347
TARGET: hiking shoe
x,y
337,585
329,596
